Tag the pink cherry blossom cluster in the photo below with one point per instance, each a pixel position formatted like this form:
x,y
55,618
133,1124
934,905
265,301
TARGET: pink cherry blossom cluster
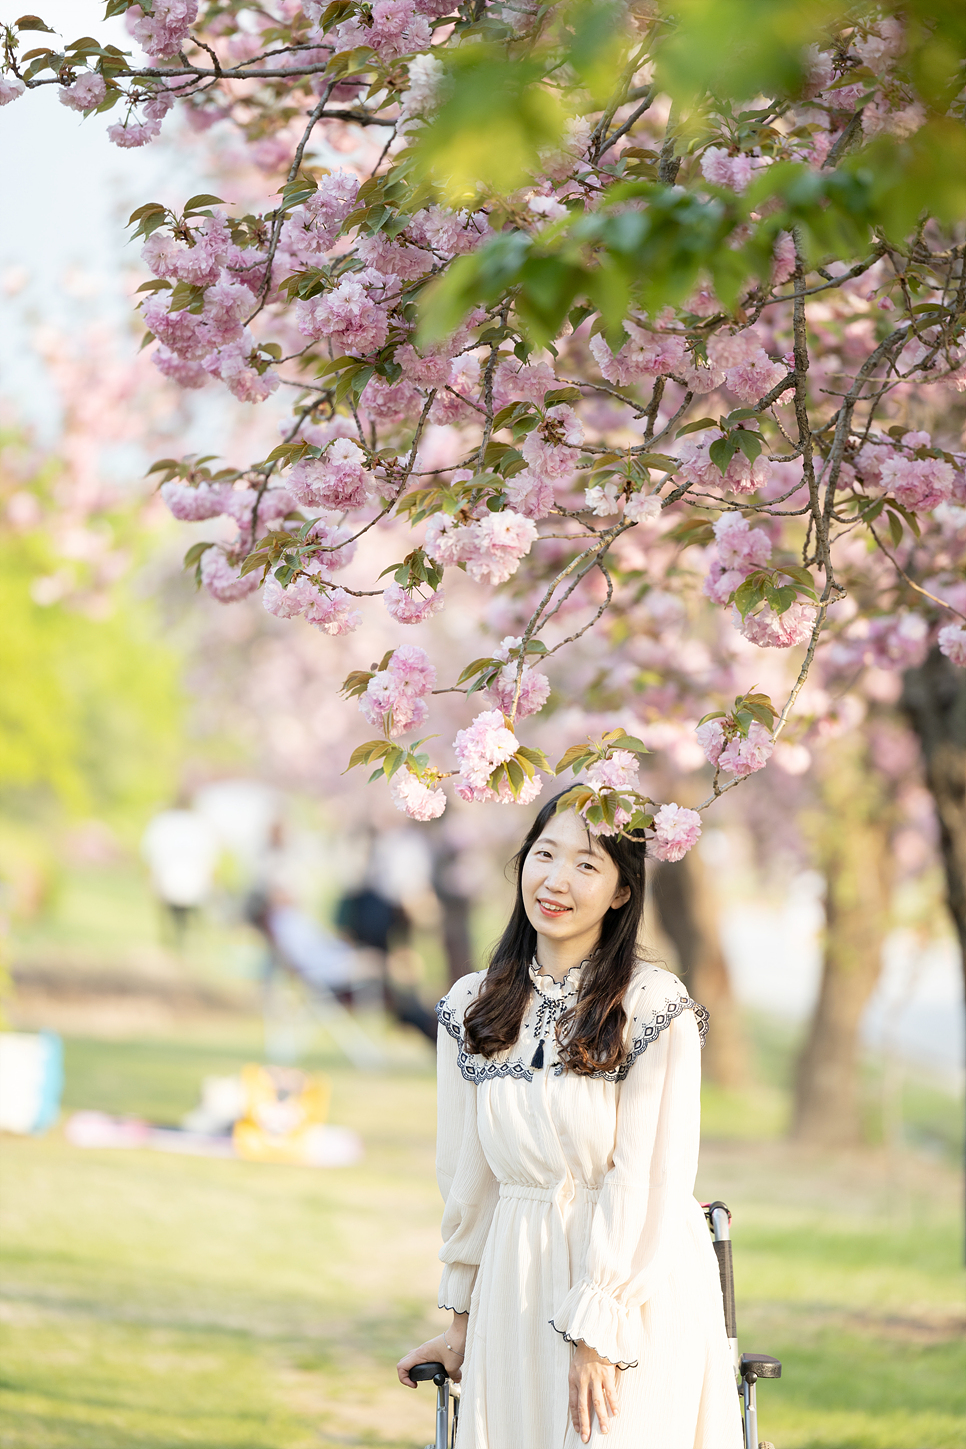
x,y
644,355
223,579
130,133
551,451
739,477
11,88
336,480
329,610
919,484
394,695
192,505
620,771
213,342
743,364
722,169
415,798
395,28
480,748
491,547
352,316
408,608
739,551
534,685
312,228
952,643
728,749
890,641
676,831
163,32
777,631
86,92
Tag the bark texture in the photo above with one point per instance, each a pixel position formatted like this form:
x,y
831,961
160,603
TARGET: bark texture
x,y
854,853
688,913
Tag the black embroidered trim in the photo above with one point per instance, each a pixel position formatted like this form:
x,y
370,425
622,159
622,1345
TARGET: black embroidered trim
x,y
474,1068
477,1069
570,1339
662,1020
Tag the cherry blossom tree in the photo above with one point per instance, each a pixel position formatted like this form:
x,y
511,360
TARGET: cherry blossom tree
x,y
625,323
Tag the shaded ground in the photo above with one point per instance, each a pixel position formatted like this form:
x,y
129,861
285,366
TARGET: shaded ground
x,y
151,1302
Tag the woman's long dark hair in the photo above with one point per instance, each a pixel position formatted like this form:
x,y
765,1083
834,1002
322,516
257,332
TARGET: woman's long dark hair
x,y
591,1034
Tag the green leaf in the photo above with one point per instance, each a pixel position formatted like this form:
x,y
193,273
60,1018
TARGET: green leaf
x,y
697,427
477,666
515,774
355,683
657,460
692,531
194,554
575,758
632,743
722,451
748,594
202,199
365,754
750,444
896,529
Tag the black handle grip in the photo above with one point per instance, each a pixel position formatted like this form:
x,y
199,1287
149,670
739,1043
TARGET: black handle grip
x,y
726,1273
422,1373
760,1366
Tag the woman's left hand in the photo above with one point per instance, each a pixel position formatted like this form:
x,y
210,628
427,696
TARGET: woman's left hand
x,y
593,1390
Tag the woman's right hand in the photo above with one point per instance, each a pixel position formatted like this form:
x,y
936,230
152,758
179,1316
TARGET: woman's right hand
x,y
436,1351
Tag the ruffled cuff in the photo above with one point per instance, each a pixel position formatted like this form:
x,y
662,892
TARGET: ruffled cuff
x,y
591,1314
456,1286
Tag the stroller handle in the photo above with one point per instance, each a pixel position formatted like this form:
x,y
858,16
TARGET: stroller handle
x,y
422,1373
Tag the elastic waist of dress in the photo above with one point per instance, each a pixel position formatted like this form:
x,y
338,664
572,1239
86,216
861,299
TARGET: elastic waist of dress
x,y
532,1192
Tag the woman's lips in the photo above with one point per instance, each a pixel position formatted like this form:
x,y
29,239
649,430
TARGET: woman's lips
x,y
551,908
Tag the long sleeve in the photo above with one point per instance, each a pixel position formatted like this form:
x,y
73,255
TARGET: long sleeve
x,y
642,1205
465,1180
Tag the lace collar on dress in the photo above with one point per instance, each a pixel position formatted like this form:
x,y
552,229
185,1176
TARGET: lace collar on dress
x,y
548,986
536,1046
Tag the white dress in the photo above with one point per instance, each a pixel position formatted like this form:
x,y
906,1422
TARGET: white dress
x,y
570,1215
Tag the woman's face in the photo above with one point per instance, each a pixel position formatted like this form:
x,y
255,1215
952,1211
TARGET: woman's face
x,y
569,884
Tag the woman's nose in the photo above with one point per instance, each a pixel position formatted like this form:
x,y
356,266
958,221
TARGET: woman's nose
x,y
557,878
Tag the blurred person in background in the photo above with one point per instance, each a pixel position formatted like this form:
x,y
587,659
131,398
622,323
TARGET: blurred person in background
x,y
300,944
181,851
578,1267
374,918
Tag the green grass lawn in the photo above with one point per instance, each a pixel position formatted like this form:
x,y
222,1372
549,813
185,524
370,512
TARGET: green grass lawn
x,y
153,1301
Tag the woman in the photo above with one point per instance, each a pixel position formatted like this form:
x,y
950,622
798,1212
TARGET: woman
x,y
578,1266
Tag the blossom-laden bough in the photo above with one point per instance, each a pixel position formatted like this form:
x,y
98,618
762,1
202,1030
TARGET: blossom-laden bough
x,y
621,320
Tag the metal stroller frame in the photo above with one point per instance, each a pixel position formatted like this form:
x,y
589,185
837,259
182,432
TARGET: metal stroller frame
x,y
749,1367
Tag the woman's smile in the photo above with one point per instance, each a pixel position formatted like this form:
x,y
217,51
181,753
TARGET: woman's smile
x,y
553,908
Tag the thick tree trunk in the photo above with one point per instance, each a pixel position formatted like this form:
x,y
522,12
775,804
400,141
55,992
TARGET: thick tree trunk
x,y
855,856
688,915
934,699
